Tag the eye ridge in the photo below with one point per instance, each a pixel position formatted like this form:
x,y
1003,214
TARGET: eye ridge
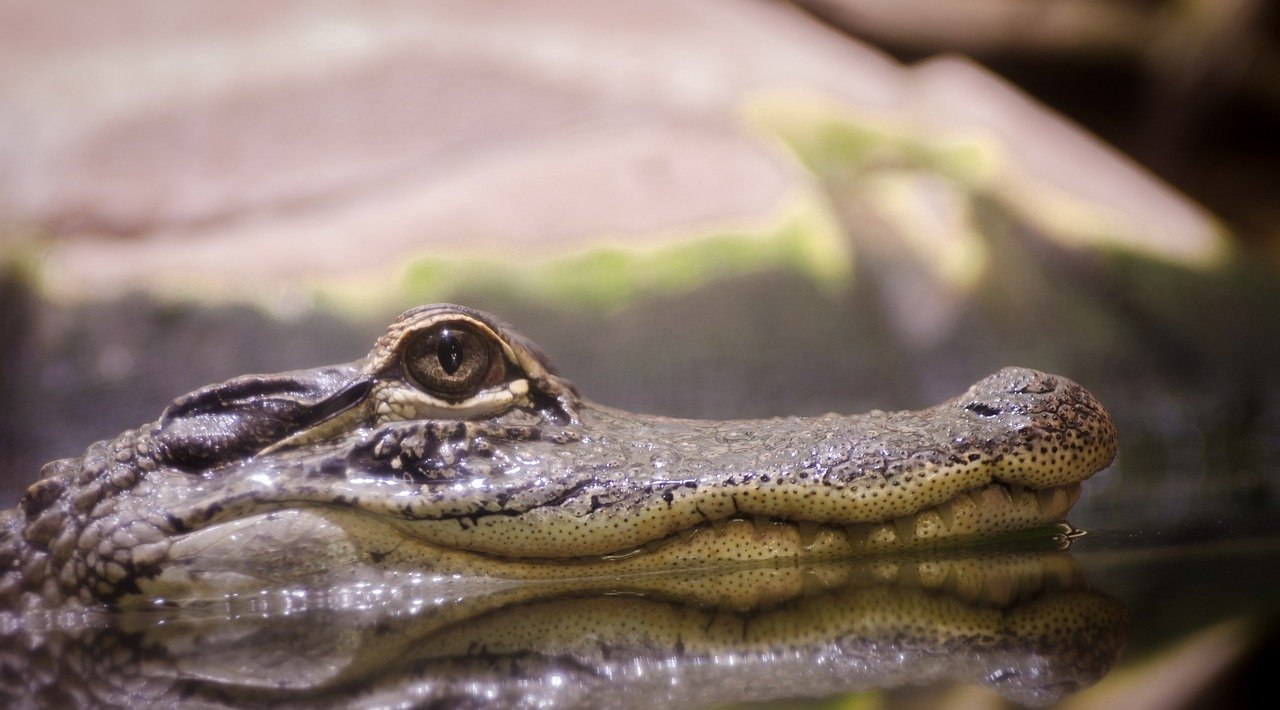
x,y
453,361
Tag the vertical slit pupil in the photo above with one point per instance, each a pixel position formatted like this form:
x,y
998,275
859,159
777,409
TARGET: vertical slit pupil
x,y
449,352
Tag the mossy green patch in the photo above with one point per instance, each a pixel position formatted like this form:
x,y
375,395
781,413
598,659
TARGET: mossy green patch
x,y
835,141
847,147
804,238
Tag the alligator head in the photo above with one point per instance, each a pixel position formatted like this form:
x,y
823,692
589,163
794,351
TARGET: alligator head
x,y
454,448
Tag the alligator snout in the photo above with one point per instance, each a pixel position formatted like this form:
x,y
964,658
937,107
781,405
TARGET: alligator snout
x,y
1051,430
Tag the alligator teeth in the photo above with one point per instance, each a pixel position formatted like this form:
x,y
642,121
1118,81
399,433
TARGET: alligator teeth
x,y
808,530
1003,491
719,525
1016,489
994,497
947,513
963,497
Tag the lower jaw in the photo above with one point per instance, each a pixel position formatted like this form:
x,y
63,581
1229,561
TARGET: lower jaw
x,y
353,547
991,511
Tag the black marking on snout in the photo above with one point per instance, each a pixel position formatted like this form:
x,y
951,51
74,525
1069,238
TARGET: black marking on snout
x,y
419,452
983,409
221,423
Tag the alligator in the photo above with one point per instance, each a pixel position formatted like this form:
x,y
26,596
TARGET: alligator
x,y
454,448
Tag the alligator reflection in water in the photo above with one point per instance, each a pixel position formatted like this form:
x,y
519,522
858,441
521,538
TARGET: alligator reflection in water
x,y
1025,625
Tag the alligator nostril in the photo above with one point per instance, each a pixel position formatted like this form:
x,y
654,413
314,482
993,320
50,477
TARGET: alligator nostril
x,y
982,409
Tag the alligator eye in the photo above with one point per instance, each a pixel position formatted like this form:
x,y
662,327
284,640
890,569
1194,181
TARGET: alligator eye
x,y
453,361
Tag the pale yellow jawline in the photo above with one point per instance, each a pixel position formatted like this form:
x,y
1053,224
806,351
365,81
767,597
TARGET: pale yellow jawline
x,y
990,510
555,533
985,512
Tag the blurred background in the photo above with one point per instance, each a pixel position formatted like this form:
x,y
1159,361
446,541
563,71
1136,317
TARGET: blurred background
x,y
728,208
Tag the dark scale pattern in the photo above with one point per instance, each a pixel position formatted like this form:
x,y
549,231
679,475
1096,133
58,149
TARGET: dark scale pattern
x,y
524,470
59,545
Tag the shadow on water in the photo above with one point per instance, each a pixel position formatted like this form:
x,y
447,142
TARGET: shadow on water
x,y
1024,626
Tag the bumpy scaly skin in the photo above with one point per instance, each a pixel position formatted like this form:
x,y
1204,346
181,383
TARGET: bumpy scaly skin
x,y
270,479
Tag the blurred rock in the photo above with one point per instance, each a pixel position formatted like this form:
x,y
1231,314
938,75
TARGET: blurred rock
x,y
158,147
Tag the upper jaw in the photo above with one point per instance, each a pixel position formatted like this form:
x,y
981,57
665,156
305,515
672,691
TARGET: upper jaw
x,y
521,484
